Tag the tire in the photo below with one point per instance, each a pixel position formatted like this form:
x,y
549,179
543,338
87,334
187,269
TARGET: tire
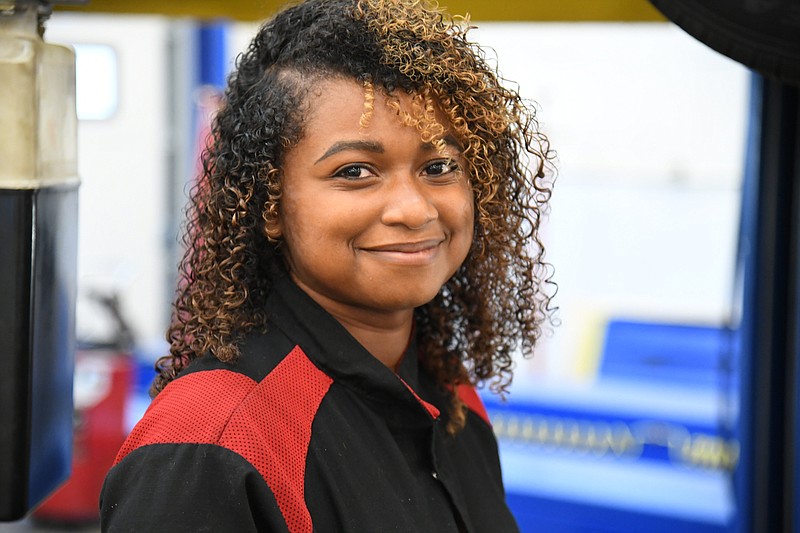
x,y
761,34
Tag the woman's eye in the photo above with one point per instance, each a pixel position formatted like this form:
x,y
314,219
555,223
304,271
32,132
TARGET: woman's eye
x,y
440,168
353,172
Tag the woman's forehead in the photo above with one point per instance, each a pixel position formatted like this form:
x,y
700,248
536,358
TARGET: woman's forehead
x,y
349,99
347,116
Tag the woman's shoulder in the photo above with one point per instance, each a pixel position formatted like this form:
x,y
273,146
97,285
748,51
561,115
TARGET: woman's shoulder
x,y
218,403
194,408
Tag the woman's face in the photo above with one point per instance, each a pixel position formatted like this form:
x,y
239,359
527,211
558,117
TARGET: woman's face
x,y
372,218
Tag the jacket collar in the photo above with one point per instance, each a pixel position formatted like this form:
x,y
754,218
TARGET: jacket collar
x,y
331,348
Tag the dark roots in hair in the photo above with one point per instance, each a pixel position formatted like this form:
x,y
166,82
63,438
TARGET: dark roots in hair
x,y
496,304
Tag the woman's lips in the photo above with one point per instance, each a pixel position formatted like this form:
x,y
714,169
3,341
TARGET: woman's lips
x,y
407,253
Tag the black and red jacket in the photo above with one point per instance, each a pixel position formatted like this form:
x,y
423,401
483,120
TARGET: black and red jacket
x,y
307,432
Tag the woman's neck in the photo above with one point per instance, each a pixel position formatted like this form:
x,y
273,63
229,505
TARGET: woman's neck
x,y
384,333
387,343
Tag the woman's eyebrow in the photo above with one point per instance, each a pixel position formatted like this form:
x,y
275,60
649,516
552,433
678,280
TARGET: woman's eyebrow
x,y
449,140
341,146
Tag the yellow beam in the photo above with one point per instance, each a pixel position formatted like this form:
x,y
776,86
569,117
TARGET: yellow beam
x,y
488,10
556,11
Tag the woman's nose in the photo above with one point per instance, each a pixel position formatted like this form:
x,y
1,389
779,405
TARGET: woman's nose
x,y
408,203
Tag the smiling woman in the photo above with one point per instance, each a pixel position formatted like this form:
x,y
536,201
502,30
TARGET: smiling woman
x,y
376,226
362,250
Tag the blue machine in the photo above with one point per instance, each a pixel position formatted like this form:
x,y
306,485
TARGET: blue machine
x,y
646,447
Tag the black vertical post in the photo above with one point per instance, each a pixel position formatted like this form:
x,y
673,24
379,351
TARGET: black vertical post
x,y
771,316
38,247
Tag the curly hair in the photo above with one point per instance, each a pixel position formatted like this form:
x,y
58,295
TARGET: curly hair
x,y
498,301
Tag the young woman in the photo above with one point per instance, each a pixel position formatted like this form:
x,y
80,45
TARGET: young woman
x,y
362,249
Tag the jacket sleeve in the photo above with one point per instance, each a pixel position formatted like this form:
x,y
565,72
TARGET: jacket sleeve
x,y
187,488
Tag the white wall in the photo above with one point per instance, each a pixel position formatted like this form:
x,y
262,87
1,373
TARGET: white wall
x,y
122,165
649,126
